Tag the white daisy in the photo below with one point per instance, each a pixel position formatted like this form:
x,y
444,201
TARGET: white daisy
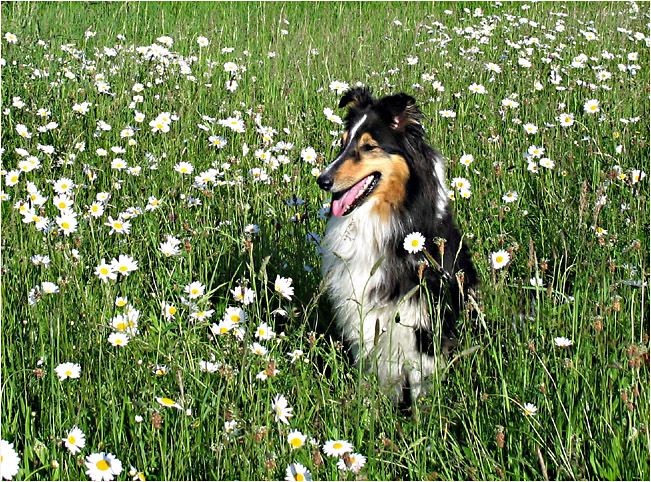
x,y
297,473
195,290
264,332
283,286
296,439
9,460
466,159
566,120
118,339
414,242
68,370
105,271
530,409
510,197
103,466
563,342
499,259
281,409
353,463
124,265
591,106
337,448
168,402
75,440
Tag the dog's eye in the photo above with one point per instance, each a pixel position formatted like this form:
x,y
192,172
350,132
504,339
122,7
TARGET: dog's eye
x,y
367,147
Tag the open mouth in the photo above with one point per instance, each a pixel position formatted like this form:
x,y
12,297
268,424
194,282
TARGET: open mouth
x,y
344,202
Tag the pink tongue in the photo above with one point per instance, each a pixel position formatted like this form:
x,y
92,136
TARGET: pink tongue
x,y
340,205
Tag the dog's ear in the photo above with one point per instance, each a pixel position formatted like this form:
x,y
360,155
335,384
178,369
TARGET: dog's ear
x,y
356,98
401,111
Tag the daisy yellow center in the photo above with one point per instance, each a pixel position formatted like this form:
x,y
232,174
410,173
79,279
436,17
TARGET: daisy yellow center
x,y
117,225
65,225
102,465
68,373
118,341
593,107
62,205
499,258
104,270
337,445
223,329
1,458
121,303
168,401
64,187
296,442
72,439
123,268
414,242
235,318
300,477
194,291
172,310
121,326
14,178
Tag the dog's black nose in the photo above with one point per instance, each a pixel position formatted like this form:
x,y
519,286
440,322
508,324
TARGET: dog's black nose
x,y
325,181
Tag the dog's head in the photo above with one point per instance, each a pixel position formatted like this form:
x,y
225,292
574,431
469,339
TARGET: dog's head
x,y
373,164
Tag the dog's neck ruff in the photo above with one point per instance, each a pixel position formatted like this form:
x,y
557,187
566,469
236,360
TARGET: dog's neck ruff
x,y
358,233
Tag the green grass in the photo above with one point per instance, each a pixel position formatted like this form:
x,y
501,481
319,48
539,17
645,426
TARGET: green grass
x,y
592,398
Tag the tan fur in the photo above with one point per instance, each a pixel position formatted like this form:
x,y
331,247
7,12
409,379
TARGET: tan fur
x,y
391,190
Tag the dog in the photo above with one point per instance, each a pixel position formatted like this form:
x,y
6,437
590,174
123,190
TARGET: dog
x,y
393,308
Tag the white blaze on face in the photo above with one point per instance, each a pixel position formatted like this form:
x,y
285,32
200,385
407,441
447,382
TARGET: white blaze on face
x,y
351,138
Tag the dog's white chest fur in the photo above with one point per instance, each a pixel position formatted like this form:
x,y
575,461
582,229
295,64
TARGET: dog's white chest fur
x,y
381,333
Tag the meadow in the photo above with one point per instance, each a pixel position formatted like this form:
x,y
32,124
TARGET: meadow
x,y
162,315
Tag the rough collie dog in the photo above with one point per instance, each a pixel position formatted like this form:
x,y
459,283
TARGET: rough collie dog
x,y
393,308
